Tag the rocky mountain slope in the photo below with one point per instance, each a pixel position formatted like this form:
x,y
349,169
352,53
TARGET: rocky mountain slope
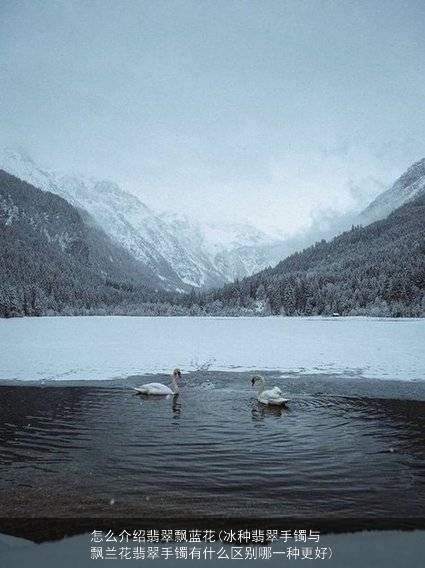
x,y
53,257
408,186
181,252
374,270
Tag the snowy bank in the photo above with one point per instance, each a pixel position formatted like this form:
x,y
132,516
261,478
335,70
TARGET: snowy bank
x,y
79,348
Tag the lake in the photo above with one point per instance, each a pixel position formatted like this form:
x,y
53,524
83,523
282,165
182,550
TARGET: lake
x,y
350,443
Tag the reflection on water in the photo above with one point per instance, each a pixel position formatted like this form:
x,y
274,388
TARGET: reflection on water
x,y
260,411
177,405
338,449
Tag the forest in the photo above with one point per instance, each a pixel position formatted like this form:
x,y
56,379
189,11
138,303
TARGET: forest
x,y
55,261
377,270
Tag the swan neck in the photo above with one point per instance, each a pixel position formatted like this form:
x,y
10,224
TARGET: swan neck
x,y
260,385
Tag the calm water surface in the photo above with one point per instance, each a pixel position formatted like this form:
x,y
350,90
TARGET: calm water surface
x,y
342,448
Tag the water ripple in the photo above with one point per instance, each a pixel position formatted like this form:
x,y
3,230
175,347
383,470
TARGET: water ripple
x,y
335,448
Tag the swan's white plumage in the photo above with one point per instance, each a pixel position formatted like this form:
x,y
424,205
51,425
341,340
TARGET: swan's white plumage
x,y
158,389
273,396
154,389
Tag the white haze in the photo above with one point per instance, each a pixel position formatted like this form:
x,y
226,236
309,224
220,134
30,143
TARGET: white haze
x,y
273,113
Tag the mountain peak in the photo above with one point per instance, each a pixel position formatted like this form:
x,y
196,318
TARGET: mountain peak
x,y
409,185
411,175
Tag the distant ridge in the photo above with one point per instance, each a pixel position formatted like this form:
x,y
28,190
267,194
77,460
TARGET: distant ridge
x,y
54,259
375,270
182,253
408,186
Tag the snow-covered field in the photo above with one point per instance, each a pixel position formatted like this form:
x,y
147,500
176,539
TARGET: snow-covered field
x,y
78,348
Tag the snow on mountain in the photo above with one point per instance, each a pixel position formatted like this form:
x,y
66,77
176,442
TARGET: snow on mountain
x,y
113,209
408,186
53,257
180,251
230,250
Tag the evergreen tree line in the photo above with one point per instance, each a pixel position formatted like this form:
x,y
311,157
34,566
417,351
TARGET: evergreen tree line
x,y
51,264
377,270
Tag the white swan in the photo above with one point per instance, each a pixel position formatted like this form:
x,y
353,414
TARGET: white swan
x,y
272,396
158,389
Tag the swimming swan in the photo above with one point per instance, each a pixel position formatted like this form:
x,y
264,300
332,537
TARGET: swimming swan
x,y
159,389
272,396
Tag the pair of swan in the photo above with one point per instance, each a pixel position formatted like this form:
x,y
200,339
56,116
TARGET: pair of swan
x,y
273,397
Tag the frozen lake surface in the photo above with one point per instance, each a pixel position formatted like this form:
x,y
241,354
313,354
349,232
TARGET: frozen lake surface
x,y
91,348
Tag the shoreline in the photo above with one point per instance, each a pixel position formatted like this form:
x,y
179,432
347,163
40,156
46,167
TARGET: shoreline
x,y
99,348
368,548
51,529
351,385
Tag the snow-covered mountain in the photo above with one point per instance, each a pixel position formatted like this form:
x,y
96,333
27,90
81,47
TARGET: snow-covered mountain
x,y
53,258
408,186
181,252
234,250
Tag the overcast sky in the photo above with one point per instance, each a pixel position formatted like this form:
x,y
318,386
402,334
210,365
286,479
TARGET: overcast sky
x,y
263,110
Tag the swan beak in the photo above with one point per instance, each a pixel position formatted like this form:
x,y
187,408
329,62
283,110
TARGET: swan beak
x,y
253,381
